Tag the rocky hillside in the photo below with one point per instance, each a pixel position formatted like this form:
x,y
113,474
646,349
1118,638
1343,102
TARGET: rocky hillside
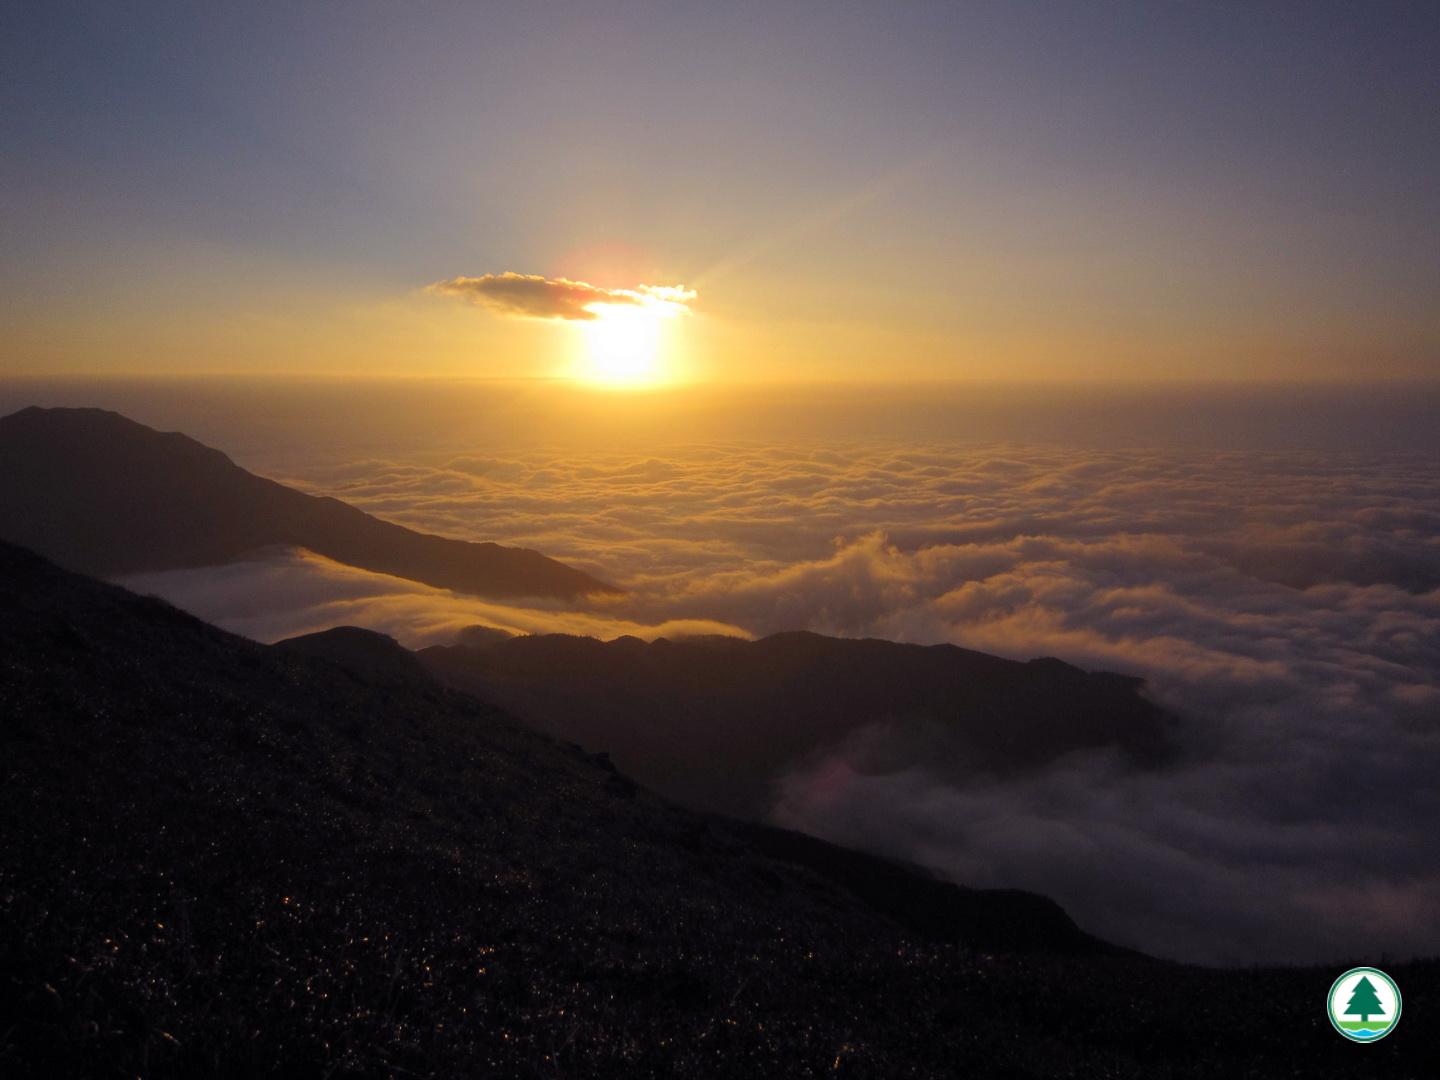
x,y
222,859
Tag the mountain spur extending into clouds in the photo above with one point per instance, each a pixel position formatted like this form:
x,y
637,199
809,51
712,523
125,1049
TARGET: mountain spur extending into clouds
x,y
102,494
716,723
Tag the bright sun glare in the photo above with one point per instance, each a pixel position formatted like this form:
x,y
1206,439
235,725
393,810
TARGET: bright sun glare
x,y
623,342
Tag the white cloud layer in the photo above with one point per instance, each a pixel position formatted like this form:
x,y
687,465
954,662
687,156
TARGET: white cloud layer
x,y
1286,606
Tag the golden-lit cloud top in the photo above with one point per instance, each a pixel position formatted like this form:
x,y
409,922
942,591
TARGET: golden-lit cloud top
x,y
533,296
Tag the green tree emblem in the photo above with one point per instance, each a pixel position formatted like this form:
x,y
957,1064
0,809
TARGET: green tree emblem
x,y
1364,1002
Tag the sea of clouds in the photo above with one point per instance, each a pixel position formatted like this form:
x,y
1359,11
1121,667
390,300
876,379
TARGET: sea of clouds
x,y
1284,605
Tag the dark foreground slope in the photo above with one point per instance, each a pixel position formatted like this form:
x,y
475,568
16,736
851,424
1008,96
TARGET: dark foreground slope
x,y
715,721
104,495
222,859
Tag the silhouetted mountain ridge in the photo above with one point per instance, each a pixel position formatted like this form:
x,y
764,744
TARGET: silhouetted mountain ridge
x,y
716,721
102,494
362,652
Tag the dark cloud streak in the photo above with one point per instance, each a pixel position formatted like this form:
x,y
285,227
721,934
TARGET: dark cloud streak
x,y
535,297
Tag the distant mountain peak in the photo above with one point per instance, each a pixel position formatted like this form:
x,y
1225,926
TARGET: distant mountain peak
x,y
362,652
481,637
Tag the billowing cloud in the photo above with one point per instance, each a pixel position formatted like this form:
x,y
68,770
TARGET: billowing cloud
x,y
282,592
532,296
1285,606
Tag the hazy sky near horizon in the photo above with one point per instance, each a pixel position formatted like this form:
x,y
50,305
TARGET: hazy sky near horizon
x,y
1027,190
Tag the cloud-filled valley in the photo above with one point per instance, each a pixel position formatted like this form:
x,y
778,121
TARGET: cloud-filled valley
x,y
1285,605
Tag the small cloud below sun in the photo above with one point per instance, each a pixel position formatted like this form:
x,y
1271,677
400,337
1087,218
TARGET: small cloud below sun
x,y
622,329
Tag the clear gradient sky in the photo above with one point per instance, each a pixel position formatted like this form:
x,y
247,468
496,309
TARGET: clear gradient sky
x,y
1013,190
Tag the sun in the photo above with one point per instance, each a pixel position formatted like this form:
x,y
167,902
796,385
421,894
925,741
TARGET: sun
x,y
622,343
625,342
